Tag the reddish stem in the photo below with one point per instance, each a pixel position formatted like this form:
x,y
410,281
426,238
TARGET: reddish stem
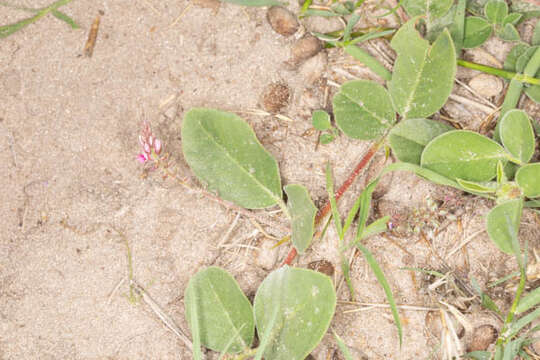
x,y
344,187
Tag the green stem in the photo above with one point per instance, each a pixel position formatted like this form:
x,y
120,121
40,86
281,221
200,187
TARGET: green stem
x,y
524,78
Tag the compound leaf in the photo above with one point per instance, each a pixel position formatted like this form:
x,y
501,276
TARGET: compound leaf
x,y
496,11
477,31
222,150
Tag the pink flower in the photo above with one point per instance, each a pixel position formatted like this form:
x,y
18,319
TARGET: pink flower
x,y
150,145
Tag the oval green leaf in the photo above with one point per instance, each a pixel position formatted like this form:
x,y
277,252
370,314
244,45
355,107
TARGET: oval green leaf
x,y
463,154
503,224
293,309
508,33
513,55
528,179
423,75
496,11
529,301
478,188
517,134
409,137
477,31
222,151
321,120
432,9
220,311
302,213
363,109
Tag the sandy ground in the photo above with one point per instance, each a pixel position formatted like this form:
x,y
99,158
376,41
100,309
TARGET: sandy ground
x,y
74,194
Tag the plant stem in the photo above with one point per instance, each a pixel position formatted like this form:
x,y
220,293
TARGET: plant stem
x,y
321,214
524,78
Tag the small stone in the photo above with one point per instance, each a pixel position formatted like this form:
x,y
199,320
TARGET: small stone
x,y
486,85
282,20
482,337
275,97
305,48
322,266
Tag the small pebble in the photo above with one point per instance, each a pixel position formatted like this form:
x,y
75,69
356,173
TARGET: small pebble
x,y
275,97
486,85
482,337
306,47
282,20
322,266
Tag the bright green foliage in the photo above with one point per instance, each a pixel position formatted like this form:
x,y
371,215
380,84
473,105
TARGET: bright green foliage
x,y
408,138
363,109
503,224
496,11
524,58
536,35
508,33
528,302
293,309
517,60
321,120
463,154
327,138
423,75
517,135
511,59
343,347
528,178
221,311
430,8
477,31
222,151
302,213
477,188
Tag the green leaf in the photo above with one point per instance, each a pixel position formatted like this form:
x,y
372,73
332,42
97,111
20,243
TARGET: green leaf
x,y
408,138
384,283
65,18
423,75
512,57
222,150
478,355
528,178
327,138
477,31
343,347
303,302
517,134
254,2
509,33
378,226
333,203
535,41
302,213
365,58
524,58
422,172
527,9
457,26
529,301
432,9
220,310
474,187
463,154
365,206
363,109
533,92
496,11
503,224
522,322
321,120
350,25
512,18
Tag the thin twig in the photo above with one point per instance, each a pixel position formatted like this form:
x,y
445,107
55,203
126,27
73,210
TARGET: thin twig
x,y
162,315
464,242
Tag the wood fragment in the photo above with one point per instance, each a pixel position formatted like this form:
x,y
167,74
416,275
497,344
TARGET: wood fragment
x,y
92,37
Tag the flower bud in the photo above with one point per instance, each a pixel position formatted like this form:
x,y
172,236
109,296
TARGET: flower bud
x,y
157,146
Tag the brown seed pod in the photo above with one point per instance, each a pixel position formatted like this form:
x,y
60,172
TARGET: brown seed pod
x,y
306,47
282,20
275,97
322,266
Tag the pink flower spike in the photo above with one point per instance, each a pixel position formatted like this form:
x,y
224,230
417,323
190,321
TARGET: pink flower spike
x,y
157,146
146,149
142,158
